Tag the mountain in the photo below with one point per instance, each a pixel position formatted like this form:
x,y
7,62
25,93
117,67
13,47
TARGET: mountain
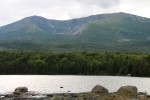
x,y
111,32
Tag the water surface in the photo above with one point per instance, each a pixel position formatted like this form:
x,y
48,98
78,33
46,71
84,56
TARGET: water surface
x,y
52,83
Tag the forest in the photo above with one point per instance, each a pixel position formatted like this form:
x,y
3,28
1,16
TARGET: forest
x,y
75,63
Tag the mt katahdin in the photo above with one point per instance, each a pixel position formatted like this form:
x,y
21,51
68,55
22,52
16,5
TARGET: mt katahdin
x,y
103,32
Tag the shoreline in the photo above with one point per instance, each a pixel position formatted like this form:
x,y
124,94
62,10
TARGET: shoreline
x,y
97,93
77,96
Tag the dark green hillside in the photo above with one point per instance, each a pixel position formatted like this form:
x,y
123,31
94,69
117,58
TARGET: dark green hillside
x,y
103,32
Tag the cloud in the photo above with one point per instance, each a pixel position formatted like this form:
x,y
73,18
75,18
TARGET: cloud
x,y
13,10
137,7
101,3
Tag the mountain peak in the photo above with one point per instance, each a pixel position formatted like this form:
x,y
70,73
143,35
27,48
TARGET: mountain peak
x,y
111,28
34,17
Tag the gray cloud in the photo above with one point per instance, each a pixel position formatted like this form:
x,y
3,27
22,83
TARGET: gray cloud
x,y
101,3
12,10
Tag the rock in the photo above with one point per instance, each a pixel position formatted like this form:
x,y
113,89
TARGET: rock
x,y
32,93
142,97
50,95
129,90
99,89
142,93
9,95
61,87
20,90
148,96
1,97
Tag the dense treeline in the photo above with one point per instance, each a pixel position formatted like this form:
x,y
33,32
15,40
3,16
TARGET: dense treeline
x,y
84,63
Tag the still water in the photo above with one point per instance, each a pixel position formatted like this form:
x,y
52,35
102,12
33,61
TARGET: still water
x,y
52,83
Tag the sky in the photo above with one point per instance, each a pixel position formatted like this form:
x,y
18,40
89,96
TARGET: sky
x,y
13,10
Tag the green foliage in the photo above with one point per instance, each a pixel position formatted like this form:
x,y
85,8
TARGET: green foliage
x,y
77,63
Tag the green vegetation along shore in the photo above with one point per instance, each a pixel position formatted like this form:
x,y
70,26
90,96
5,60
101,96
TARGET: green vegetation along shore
x,y
106,63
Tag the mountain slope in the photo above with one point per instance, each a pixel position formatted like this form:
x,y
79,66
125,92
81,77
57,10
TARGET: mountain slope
x,y
118,27
116,31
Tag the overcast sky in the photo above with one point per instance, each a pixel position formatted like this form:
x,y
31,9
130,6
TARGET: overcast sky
x,y
13,10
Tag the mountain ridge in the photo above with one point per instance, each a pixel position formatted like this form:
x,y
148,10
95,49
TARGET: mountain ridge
x,y
114,30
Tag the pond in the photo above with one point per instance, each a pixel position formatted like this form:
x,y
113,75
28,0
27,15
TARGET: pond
x,y
69,83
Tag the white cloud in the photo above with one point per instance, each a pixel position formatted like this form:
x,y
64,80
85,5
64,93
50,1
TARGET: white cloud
x,y
137,7
12,10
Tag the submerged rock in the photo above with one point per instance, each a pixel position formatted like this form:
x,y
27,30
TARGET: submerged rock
x,y
129,90
99,89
